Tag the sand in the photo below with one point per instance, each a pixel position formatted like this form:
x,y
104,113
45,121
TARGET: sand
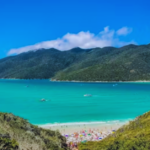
x,y
69,128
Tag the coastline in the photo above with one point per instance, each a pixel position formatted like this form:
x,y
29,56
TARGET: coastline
x,y
76,133
139,81
69,128
53,80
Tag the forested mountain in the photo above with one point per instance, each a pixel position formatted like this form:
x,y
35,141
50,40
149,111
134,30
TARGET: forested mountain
x,y
128,63
37,64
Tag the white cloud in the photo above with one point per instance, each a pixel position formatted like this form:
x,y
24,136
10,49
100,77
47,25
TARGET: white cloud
x,y
82,39
124,31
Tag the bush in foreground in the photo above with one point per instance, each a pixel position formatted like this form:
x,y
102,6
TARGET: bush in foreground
x,y
18,134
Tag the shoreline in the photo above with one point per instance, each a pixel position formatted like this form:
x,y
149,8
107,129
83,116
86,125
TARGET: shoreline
x,y
76,133
138,81
69,128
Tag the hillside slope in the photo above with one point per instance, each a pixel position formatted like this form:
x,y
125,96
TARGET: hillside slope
x,y
128,63
17,134
41,64
134,136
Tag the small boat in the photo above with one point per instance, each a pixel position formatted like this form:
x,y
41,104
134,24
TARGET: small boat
x,y
88,95
42,100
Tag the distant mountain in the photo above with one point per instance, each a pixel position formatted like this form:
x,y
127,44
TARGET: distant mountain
x,y
36,64
128,63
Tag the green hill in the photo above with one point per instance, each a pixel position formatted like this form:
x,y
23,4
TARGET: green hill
x,y
134,136
40,64
128,63
18,134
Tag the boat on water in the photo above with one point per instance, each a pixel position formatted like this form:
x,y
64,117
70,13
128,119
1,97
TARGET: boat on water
x,y
42,100
87,95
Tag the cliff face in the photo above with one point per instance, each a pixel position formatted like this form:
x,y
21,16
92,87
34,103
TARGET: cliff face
x,y
18,134
134,136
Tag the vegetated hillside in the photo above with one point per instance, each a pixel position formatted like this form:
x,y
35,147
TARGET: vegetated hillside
x,y
134,136
17,134
128,63
40,64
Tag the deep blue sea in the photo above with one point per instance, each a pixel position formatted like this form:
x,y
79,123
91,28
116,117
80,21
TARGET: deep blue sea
x,y
66,103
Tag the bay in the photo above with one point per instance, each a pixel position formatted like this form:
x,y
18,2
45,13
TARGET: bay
x,y
66,103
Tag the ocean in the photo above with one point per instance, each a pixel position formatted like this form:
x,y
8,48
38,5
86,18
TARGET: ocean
x,y
65,101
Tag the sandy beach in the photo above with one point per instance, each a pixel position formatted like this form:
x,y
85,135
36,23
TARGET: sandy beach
x,y
69,128
76,133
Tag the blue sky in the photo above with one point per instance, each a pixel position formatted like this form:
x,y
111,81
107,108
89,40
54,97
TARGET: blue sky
x,y
64,24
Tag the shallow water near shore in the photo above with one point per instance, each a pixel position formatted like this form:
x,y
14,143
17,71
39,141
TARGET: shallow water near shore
x,y
66,103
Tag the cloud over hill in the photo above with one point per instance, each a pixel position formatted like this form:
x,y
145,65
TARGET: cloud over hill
x,y
107,37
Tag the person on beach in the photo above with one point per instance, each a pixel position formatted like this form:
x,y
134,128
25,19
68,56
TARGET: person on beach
x,y
75,148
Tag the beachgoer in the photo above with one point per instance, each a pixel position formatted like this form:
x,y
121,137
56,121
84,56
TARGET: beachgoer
x,y
75,147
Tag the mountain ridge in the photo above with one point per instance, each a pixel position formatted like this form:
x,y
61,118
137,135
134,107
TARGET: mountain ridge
x,y
127,63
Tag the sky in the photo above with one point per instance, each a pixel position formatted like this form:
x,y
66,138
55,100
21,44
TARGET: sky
x,y
64,24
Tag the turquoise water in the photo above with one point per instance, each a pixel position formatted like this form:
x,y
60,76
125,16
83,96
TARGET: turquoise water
x,y
65,102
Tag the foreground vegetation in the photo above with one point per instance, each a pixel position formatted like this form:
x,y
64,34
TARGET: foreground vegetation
x,y
18,134
134,136
128,63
